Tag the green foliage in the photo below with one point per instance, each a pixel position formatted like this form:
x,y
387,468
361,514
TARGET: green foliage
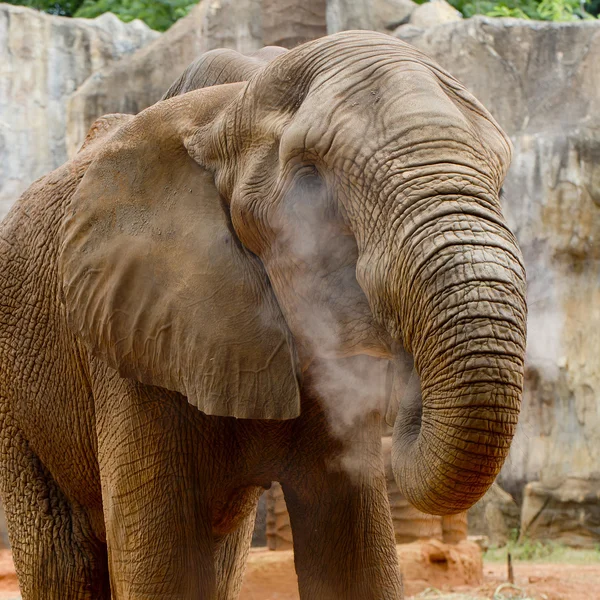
x,y
157,14
550,552
541,10
593,7
64,8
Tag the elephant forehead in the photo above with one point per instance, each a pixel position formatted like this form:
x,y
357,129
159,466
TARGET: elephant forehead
x,y
372,87
392,100
392,124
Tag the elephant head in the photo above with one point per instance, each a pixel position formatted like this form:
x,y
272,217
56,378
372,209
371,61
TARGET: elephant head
x,y
343,201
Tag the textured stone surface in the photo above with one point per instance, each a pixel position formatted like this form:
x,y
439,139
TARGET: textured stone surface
x,y
142,79
532,75
279,530
288,23
566,512
259,535
541,82
378,15
496,516
43,59
434,13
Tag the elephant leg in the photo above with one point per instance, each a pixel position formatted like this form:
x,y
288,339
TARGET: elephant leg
x,y
56,554
157,516
231,554
341,523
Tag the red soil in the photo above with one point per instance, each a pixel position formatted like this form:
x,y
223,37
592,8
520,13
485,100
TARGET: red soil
x,y
271,576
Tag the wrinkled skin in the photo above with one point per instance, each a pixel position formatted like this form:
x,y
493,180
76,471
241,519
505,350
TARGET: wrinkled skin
x,y
267,251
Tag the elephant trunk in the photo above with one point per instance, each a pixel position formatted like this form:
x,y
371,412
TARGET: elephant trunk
x,y
459,281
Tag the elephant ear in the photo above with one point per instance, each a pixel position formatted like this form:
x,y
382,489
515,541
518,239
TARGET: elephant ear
x,y
155,281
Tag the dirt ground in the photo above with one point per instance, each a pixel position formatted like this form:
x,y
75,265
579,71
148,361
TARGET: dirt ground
x,y
270,576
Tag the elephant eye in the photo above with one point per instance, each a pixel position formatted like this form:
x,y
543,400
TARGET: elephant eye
x,y
307,171
309,187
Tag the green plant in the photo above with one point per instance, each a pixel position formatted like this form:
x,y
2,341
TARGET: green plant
x,y
535,551
542,10
157,14
593,7
65,8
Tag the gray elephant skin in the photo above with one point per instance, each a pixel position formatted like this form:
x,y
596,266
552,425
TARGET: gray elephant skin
x,y
180,301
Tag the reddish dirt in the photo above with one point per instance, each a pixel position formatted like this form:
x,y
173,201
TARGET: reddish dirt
x,y
270,576
9,587
547,581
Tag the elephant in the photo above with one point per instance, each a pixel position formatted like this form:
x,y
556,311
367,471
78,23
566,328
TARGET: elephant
x,y
237,286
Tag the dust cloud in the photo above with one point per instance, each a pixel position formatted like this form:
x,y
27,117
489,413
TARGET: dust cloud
x,y
313,271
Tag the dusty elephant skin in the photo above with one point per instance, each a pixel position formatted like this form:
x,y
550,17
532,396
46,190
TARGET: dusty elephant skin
x,y
262,252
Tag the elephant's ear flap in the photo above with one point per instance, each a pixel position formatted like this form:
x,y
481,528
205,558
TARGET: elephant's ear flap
x,y
156,283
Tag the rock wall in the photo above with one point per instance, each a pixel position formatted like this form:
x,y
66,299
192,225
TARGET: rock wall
x,y
541,82
288,23
566,512
279,529
379,15
134,84
4,541
139,81
496,516
43,60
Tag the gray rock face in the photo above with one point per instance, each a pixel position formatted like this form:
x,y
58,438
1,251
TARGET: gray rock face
x,y
259,534
43,60
289,23
378,15
532,75
496,516
141,80
541,82
566,512
434,13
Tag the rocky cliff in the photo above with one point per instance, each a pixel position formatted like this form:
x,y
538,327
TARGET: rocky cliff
x,y
43,60
141,80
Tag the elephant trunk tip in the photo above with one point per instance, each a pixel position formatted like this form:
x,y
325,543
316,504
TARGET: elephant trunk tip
x,y
441,465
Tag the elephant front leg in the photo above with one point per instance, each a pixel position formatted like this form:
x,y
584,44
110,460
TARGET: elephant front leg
x,y
341,523
158,525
